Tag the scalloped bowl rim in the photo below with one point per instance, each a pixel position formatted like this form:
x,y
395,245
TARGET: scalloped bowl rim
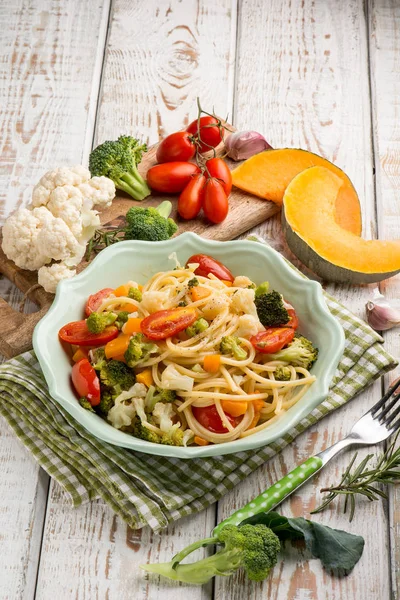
x,y
319,316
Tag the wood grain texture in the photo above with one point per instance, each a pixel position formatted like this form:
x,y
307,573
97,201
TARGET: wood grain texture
x,y
384,28
50,59
160,56
307,86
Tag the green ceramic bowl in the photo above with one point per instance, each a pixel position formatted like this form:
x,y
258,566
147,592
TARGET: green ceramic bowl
x,y
138,261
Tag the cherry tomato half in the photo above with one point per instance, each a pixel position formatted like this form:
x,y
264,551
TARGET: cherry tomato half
x,y
177,146
86,382
167,323
208,417
272,339
191,198
293,321
77,333
220,170
208,264
211,134
215,204
95,300
171,177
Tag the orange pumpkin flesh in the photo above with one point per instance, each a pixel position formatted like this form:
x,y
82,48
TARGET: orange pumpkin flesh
x,y
269,173
319,242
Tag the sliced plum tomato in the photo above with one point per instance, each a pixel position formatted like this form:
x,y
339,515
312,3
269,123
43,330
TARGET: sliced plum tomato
x,y
218,168
77,333
171,177
208,264
272,339
167,323
215,204
209,418
95,300
177,146
191,198
293,321
210,132
86,382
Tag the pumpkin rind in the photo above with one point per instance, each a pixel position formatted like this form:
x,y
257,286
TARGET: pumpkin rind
x,y
268,174
316,239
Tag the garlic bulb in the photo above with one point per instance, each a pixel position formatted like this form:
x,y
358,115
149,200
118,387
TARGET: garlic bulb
x,y
243,144
381,315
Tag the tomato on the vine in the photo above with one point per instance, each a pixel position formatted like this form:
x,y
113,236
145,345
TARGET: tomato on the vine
x,y
178,146
215,205
191,198
211,132
171,177
218,168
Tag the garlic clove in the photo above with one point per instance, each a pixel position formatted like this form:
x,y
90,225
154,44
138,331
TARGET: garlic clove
x,y
241,145
381,314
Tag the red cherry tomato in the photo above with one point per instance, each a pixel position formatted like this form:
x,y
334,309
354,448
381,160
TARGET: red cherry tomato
x,y
191,198
272,339
210,132
293,321
215,204
177,146
95,300
208,264
208,417
167,323
220,170
171,177
86,382
77,333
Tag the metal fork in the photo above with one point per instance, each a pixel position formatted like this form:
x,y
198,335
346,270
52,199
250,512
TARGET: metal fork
x,y
375,426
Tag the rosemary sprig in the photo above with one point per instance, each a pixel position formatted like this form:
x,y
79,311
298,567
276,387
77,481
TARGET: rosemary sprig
x,y
102,238
365,479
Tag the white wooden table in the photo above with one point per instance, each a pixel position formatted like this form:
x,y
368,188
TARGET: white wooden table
x,y
316,74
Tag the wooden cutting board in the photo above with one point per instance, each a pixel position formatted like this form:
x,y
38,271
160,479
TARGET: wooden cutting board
x,y
16,328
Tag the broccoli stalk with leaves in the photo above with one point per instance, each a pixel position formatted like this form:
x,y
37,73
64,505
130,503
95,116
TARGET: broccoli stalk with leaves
x,y
118,161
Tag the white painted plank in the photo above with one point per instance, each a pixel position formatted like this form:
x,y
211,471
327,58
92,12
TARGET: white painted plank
x,y
160,56
49,62
302,80
384,24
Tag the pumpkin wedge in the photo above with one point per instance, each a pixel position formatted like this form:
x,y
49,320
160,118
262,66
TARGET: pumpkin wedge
x,y
314,236
269,173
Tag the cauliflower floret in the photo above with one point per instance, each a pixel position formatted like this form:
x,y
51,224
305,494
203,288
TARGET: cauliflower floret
x,y
162,414
75,176
49,277
155,300
56,240
215,306
243,302
242,281
127,405
20,232
248,326
171,379
100,190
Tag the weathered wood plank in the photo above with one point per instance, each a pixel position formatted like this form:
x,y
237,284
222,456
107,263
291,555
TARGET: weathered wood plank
x,y
306,86
50,58
159,58
384,28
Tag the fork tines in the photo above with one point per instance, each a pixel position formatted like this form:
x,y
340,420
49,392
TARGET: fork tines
x,y
385,416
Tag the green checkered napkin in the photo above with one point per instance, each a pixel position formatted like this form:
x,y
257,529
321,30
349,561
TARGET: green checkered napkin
x,y
145,489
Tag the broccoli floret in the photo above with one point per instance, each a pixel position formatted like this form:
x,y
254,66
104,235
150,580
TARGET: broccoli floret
x,y
138,350
271,310
122,318
252,286
84,402
197,327
118,160
252,547
117,376
143,432
193,282
299,353
231,345
98,358
261,289
150,224
97,322
173,437
159,395
107,401
135,294
282,374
